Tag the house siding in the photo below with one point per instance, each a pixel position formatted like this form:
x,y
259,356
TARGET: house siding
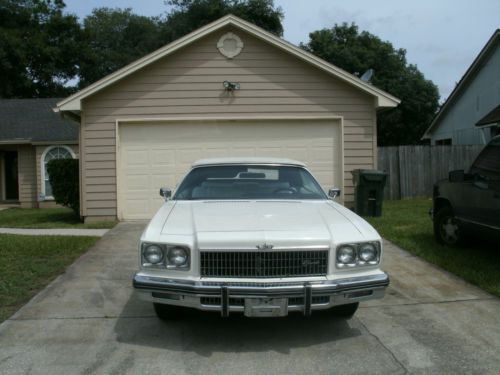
x,y
27,176
480,96
189,84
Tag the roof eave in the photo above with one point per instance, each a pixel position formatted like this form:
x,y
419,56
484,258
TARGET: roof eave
x,y
73,102
476,64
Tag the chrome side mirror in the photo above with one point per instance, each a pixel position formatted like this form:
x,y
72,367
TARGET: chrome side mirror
x,y
166,193
334,193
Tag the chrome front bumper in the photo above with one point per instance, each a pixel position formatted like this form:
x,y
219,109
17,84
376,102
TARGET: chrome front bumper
x,y
193,293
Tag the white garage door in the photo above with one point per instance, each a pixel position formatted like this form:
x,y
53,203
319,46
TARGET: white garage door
x,y
154,155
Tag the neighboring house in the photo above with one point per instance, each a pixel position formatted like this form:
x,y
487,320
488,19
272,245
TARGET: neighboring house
x,y
227,89
474,97
31,134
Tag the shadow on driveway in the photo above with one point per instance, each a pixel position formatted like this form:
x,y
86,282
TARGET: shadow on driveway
x,y
206,333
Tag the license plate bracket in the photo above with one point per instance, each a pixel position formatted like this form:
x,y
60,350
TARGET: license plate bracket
x,y
266,307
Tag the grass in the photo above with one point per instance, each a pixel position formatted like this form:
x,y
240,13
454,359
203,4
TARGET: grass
x,y
29,263
407,224
46,218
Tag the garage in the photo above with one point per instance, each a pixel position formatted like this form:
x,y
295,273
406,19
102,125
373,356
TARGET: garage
x,y
229,88
152,155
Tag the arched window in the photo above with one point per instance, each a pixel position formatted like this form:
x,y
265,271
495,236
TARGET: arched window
x,y
52,152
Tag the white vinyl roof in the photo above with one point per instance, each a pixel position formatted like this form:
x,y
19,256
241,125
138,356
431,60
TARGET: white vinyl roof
x,y
247,160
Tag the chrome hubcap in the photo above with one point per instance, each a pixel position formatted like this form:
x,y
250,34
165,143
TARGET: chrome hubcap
x,y
449,230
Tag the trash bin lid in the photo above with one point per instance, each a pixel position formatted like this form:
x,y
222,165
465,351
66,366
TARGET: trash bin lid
x,y
369,174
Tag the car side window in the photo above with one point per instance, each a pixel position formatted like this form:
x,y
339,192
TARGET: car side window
x,y
488,160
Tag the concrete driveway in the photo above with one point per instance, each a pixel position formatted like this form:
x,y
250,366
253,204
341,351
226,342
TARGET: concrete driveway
x,y
88,322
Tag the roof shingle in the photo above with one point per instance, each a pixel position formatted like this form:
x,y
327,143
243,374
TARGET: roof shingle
x,y
33,120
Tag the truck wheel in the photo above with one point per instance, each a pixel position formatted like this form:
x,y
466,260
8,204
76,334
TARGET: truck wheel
x,y
447,228
345,311
167,312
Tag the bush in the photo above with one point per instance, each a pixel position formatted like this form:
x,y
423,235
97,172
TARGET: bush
x,y
64,180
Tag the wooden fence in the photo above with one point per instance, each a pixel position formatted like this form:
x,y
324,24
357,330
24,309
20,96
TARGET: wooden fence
x,y
412,170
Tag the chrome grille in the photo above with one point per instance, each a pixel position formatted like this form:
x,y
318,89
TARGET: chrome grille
x,y
263,263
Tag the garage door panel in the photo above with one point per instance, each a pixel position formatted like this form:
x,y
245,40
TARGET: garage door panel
x,y
135,157
162,157
156,155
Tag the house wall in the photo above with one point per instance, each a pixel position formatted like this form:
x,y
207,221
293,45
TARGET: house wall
x,y
27,176
43,203
480,96
189,83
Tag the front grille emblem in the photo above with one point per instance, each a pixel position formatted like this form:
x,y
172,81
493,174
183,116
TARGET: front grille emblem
x,y
265,246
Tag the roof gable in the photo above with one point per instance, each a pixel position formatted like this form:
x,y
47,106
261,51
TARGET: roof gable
x,y
73,103
465,81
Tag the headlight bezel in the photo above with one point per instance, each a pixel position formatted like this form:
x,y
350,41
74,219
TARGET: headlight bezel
x,y
171,265
165,262
358,261
146,256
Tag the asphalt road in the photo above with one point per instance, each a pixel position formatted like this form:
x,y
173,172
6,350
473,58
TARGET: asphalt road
x,y
89,322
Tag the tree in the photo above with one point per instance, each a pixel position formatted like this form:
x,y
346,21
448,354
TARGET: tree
x,y
64,179
39,48
113,38
354,51
188,15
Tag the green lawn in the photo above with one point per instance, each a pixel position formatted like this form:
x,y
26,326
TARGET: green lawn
x,y
407,224
46,218
29,263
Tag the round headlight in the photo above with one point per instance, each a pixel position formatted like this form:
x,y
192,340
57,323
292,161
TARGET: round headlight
x,y
177,256
153,254
346,254
367,252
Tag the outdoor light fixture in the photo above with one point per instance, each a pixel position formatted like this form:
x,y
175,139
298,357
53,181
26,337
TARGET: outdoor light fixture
x,y
231,86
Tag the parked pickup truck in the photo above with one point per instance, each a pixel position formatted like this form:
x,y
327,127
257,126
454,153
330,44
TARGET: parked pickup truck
x,y
469,203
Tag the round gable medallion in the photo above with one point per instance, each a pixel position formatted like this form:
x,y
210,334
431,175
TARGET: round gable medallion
x,y
230,45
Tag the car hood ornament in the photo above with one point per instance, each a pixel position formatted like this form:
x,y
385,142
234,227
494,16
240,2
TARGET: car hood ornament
x,y
265,246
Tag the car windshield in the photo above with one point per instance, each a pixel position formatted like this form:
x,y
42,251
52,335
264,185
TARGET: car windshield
x,y
249,182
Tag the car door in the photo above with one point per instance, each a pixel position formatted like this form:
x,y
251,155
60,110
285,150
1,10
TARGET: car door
x,y
483,193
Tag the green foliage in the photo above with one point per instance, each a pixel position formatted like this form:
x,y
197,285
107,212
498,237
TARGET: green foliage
x,y
39,48
407,224
46,218
29,263
115,37
356,52
112,39
188,15
64,180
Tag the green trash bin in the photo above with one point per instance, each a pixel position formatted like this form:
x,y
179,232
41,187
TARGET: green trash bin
x,y
368,191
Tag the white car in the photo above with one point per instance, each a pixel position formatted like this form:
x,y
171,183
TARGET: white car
x,y
257,236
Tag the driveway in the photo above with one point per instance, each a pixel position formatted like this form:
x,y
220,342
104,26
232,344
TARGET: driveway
x,y
88,321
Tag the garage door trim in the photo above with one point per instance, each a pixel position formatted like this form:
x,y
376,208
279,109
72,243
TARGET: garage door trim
x,y
138,120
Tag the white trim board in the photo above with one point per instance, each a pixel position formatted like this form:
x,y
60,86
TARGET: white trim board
x,y
334,118
73,102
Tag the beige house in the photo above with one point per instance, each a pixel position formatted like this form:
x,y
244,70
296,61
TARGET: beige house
x,y
227,89
31,134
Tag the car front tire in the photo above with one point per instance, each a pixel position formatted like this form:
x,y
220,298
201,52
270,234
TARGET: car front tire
x,y
345,311
167,312
447,229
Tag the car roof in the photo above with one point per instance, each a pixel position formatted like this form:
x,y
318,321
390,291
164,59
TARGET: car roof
x,y
247,160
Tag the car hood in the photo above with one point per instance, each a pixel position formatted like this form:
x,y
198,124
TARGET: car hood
x,y
232,224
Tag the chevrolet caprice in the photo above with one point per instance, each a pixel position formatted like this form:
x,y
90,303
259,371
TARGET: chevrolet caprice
x,y
257,236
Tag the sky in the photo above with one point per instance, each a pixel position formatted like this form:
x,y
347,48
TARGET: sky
x,y
441,37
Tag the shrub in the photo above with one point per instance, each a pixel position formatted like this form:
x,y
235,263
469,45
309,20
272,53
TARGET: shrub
x,y
64,180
